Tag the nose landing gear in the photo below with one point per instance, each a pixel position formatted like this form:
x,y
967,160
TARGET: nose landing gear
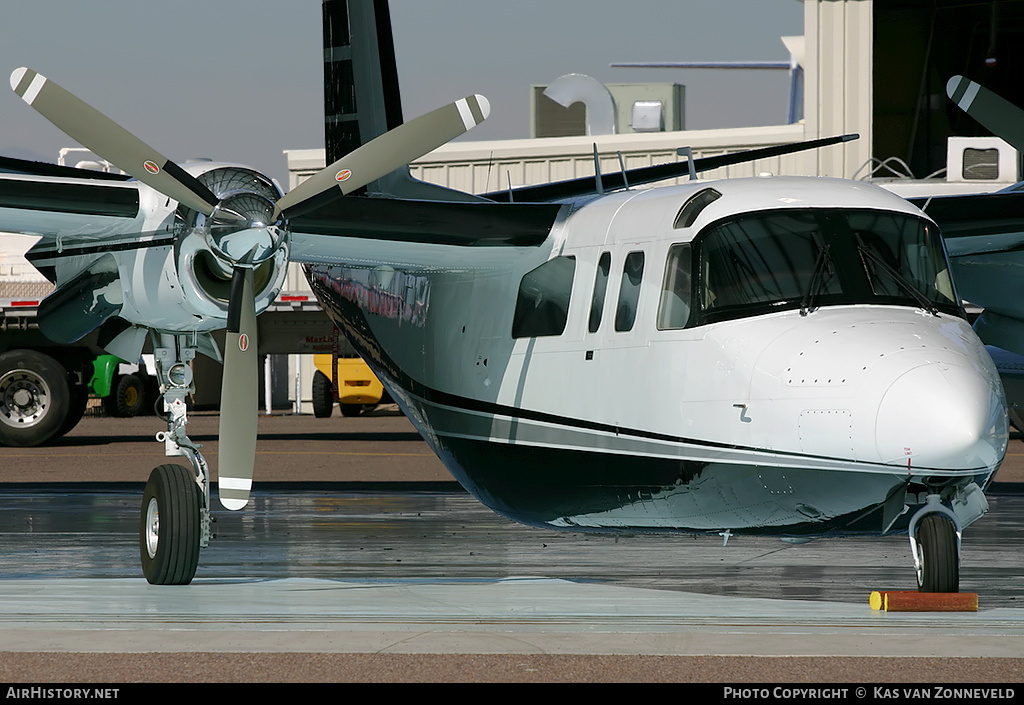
x,y
935,533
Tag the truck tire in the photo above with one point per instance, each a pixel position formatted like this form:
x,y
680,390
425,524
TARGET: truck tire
x,y
350,410
34,398
323,401
79,400
130,396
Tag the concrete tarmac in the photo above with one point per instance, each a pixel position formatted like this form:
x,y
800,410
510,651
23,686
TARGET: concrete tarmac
x,y
337,578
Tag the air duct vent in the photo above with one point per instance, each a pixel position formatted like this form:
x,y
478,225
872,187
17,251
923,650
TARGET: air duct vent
x,y
981,159
980,165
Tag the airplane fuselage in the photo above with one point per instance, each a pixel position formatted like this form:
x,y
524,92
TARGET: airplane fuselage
x,y
720,356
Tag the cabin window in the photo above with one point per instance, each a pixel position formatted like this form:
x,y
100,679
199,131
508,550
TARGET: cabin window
x,y
629,291
889,243
674,308
543,304
763,260
604,266
693,206
781,260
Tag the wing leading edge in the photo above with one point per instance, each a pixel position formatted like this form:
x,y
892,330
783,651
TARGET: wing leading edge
x,y
422,222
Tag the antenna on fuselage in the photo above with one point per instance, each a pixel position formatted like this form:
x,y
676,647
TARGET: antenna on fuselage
x,y
508,178
597,171
622,168
688,153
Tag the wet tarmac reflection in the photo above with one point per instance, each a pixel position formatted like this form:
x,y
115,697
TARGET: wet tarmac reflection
x,y
70,531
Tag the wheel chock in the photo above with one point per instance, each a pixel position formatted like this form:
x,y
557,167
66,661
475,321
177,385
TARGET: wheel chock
x,y
913,601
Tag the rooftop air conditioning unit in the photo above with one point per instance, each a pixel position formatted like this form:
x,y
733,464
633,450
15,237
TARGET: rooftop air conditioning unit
x,y
637,107
981,159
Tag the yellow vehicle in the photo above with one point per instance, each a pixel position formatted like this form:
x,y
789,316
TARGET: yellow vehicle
x,y
358,388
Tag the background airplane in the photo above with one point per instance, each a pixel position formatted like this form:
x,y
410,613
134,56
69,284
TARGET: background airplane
x,y
984,233
777,326
984,237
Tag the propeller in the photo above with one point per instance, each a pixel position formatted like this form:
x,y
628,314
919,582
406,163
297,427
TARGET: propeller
x,y
107,139
391,150
1002,118
236,451
243,229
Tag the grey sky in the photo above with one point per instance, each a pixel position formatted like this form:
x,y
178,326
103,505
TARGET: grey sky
x,y
239,80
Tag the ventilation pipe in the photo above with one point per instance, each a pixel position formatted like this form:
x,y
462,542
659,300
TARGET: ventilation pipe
x,y
579,88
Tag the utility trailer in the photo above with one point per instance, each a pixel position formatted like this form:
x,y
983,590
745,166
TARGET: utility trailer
x,y
45,387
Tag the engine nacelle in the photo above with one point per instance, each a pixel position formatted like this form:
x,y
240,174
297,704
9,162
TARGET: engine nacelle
x,y
185,287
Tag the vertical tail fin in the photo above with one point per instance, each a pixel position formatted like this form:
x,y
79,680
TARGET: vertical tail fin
x,y
361,95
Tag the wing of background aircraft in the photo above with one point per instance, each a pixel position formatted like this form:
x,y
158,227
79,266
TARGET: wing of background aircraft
x,y
984,233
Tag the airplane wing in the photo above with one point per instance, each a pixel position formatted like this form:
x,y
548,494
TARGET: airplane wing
x,y
313,234
81,221
75,216
984,233
10,165
571,188
984,236
49,206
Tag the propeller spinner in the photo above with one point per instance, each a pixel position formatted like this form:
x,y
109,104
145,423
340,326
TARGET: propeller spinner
x,y
242,229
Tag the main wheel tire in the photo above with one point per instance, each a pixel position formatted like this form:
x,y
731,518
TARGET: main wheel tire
x,y
169,526
34,398
323,395
76,408
940,563
130,396
153,398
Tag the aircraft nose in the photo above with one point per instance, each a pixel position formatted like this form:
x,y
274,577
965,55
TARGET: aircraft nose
x,y
944,416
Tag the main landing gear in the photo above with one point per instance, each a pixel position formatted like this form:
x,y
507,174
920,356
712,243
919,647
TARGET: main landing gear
x,y
175,519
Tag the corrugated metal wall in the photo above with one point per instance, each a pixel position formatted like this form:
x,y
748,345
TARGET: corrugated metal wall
x,y
838,73
478,167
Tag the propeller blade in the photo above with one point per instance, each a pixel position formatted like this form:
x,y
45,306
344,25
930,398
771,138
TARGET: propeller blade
x,y
97,132
1002,118
392,150
238,398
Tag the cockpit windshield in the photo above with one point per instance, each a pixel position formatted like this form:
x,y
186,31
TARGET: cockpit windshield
x,y
805,259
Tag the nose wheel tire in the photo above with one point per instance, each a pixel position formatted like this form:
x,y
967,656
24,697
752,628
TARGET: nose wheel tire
x,y
940,563
169,526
